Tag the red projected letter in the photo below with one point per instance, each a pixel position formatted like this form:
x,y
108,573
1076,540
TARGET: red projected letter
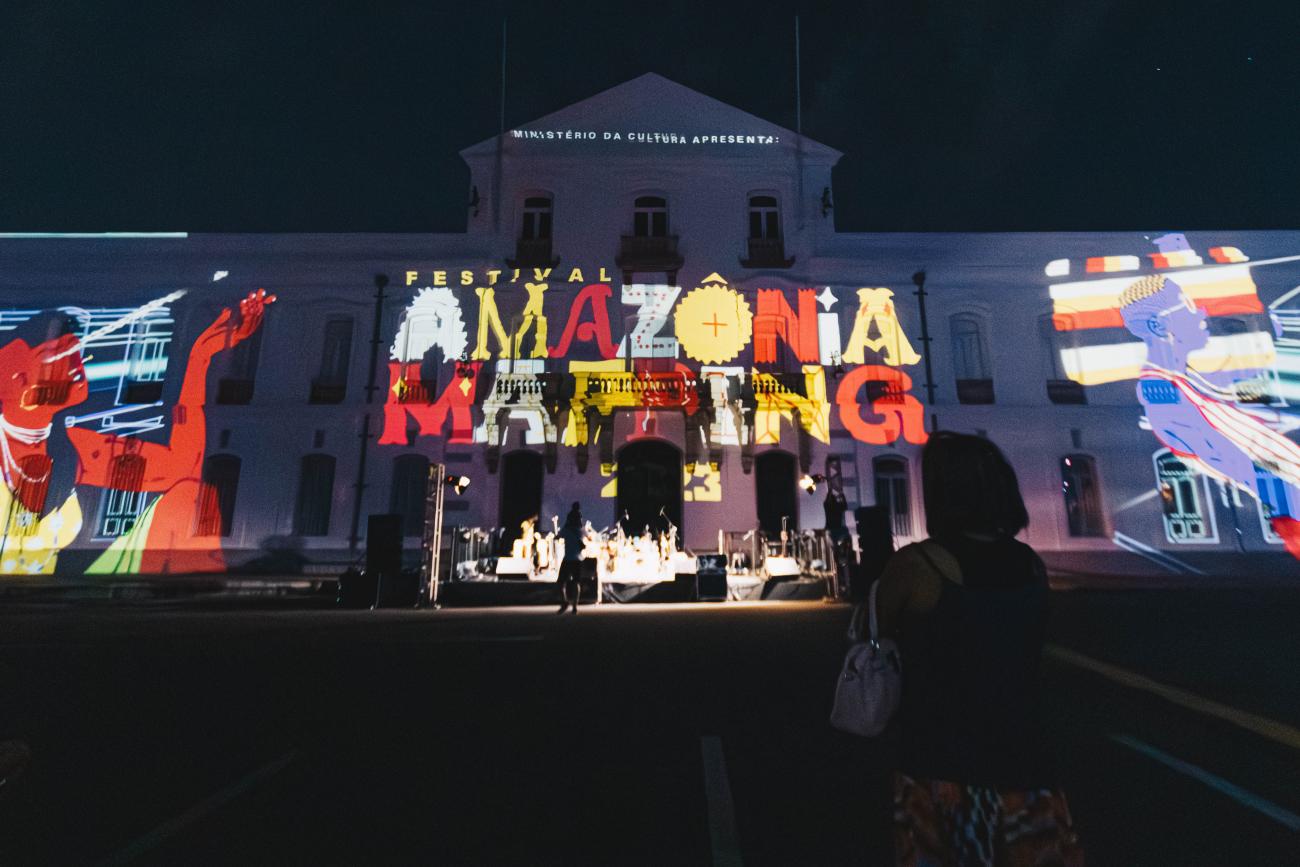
x,y
901,414
411,396
775,319
597,295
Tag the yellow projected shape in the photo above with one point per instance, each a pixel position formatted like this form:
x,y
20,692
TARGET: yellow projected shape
x,y
713,323
776,402
31,544
702,486
876,306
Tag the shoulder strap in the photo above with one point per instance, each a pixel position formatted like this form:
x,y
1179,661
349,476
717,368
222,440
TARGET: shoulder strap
x,y
933,565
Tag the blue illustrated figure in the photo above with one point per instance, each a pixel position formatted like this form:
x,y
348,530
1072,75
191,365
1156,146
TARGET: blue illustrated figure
x,y
1196,419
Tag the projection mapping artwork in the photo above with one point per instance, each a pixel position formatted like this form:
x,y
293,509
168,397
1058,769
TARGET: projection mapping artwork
x,y
741,367
1215,370
140,460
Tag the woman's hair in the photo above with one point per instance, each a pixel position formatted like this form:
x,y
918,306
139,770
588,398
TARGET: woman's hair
x,y
969,487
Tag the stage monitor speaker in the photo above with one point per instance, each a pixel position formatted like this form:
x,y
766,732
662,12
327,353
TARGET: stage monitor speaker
x,y
711,585
513,569
384,545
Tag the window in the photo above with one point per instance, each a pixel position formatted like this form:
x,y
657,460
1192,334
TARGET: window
x,y
236,387
650,217
1181,504
146,361
892,493
315,493
123,502
764,218
537,218
1082,493
217,499
331,383
33,486
410,485
776,479
1060,388
970,359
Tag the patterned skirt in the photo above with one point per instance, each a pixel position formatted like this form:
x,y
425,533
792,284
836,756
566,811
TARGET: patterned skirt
x,y
943,824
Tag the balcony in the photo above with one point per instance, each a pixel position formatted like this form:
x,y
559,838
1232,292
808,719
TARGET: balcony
x,y
234,391
327,391
640,253
533,253
975,391
1065,391
48,392
766,253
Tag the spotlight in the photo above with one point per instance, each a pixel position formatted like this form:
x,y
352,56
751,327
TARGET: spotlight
x,y
810,483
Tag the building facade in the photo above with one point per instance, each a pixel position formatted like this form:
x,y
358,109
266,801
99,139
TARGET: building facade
x,y
651,313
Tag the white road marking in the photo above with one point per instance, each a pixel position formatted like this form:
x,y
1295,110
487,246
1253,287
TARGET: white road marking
x,y
1232,790
723,838
1272,729
210,804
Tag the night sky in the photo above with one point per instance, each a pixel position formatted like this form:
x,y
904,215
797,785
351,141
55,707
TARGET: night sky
x,y
969,115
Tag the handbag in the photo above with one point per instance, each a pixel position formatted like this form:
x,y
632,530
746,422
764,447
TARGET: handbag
x,y
870,683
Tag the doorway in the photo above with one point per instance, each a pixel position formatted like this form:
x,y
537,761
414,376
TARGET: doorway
x,y
775,487
521,492
649,486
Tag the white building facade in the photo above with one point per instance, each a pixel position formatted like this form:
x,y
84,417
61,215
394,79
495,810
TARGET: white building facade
x,y
684,330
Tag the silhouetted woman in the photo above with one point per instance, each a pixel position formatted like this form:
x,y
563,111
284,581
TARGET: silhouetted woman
x,y
968,607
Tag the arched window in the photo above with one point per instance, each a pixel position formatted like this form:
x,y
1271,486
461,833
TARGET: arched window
x,y
764,218
893,492
1181,504
217,500
537,219
123,501
650,217
970,359
410,485
311,517
1082,493
776,496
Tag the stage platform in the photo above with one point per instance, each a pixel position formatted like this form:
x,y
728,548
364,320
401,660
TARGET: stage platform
x,y
473,594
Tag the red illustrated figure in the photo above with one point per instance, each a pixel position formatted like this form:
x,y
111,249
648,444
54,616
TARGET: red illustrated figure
x,y
36,382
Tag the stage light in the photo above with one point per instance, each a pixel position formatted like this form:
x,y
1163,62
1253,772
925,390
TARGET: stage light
x,y
457,483
810,483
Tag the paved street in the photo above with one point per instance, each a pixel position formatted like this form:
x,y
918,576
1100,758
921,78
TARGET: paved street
x,y
679,734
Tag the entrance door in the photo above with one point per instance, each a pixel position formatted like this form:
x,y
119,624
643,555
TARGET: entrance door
x,y
521,492
775,486
649,480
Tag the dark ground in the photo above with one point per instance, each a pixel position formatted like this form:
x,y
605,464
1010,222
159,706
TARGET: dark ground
x,y
188,733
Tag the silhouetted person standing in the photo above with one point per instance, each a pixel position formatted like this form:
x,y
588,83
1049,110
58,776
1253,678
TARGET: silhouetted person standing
x,y
570,567
968,607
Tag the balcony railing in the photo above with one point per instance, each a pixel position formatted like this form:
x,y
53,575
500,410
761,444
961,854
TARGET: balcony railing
x,y
1065,391
975,391
641,253
767,253
533,253
48,393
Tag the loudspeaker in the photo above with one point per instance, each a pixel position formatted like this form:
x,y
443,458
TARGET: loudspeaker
x,y
384,545
876,544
